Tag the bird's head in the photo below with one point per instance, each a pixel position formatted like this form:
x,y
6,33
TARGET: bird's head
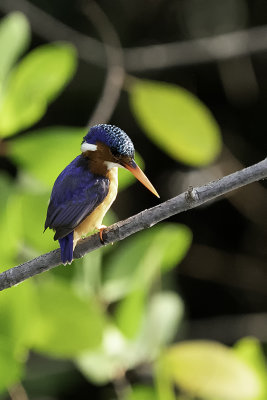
x,y
109,146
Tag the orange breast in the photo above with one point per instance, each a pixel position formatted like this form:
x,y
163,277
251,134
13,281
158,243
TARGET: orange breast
x,y
94,220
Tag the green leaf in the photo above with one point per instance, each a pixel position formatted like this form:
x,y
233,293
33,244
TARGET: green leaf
x,y
102,365
175,120
163,381
250,351
17,315
168,308
46,152
98,367
14,38
11,369
11,223
35,83
67,324
87,278
130,313
33,213
138,259
211,370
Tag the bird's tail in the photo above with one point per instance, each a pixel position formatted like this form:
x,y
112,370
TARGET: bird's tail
x,y
66,247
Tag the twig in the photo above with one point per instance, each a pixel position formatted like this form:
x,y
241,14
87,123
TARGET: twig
x,y
192,198
189,52
17,392
115,64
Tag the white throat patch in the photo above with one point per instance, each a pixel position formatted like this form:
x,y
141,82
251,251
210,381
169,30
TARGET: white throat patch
x,y
88,147
111,164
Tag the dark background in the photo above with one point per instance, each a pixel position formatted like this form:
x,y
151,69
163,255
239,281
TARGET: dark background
x,y
223,279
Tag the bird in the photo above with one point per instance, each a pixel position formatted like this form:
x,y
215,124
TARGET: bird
x,y
85,190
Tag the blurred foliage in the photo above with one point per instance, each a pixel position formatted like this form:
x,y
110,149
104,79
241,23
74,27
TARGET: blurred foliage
x,y
209,370
111,311
33,84
14,39
176,121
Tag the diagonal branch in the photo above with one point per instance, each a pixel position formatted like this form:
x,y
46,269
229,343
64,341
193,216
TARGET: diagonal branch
x,y
194,197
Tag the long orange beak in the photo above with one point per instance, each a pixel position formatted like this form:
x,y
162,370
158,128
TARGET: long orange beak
x,y
138,173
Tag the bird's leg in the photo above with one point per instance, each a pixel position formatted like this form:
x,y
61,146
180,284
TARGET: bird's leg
x,y
101,228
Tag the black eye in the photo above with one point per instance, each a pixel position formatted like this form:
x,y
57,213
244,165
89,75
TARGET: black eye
x,y
114,152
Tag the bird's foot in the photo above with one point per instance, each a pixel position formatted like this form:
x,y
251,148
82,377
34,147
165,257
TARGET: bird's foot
x,y
101,228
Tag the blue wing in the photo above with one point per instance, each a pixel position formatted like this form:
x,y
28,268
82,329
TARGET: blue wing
x,y
76,193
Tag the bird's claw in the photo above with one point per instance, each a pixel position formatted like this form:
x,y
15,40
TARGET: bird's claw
x,y
101,229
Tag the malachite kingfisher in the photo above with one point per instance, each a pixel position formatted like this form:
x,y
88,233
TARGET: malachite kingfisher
x,y
86,188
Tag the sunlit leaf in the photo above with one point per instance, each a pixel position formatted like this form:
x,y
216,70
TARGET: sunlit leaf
x,y
33,84
211,370
46,152
67,324
139,259
103,364
168,308
250,351
179,123
14,38
98,367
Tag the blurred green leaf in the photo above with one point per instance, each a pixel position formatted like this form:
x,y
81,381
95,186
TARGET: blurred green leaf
x,y
67,324
179,123
130,313
14,39
163,381
139,318
137,343
168,308
11,223
139,259
11,369
46,152
98,367
250,351
210,370
33,84
87,277
33,213
105,363
17,315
